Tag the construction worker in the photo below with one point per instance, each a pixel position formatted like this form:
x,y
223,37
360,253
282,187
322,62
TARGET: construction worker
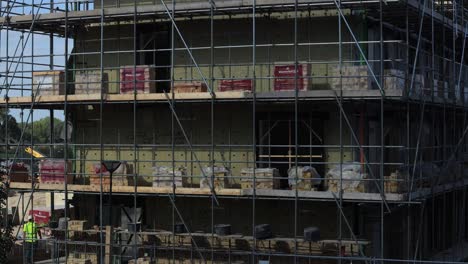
x,y
30,239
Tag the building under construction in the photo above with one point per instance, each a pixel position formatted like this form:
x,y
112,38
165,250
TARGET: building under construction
x,y
227,131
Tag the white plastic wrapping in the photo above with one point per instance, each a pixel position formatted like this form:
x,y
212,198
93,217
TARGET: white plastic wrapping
x,y
351,173
315,178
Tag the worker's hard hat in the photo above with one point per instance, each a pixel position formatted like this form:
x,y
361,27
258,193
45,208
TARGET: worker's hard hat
x,y
30,218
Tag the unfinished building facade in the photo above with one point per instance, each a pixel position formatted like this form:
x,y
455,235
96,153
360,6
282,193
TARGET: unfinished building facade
x,y
255,131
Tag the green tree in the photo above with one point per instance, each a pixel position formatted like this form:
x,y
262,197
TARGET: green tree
x,y
6,230
41,131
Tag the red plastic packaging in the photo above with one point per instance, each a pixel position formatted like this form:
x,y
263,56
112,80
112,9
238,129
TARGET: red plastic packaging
x,y
53,171
285,77
235,85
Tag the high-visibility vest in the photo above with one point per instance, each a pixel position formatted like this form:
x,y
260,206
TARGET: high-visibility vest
x,y
30,232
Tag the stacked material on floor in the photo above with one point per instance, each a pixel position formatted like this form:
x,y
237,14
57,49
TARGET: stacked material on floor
x,y
235,85
82,258
290,76
119,177
420,85
18,171
394,183
166,176
139,79
425,174
354,77
77,225
89,82
307,178
349,178
394,79
220,175
190,87
53,171
48,83
144,260
265,178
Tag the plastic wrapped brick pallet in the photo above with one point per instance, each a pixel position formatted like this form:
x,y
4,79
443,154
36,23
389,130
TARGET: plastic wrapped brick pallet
x,y
166,176
348,176
307,177
220,177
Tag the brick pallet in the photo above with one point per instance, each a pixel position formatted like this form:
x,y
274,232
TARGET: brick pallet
x,y
140,79
307,179
48,83
77,225
220,175
166,177
394,79
353,77
119,177
286,78
144,260
89,82
19,173
189,87
53,171
265,178
235,85
334,186
393,183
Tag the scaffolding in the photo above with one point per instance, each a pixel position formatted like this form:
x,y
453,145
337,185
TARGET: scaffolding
x,y
262,131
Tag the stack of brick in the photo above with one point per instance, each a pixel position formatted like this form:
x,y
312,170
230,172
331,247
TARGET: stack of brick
x,y
89,82
73,260
394,79
420,85
18,172
347,177
190,87
288,77
144,260
307,178
235,85
82,258
119,177
393,183
355,77
139,79
219,174
77,225
48,83
265,178
54,171
166,177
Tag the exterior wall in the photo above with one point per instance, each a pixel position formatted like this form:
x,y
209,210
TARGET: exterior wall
x,y
233,58
154,126
123,3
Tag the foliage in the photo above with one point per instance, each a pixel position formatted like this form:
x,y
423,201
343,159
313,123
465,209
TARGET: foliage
x,y
41,131
6,231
